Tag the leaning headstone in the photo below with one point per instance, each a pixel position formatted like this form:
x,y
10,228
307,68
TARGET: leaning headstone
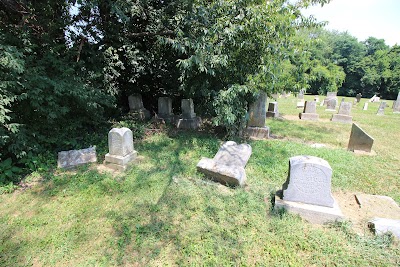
x,y
189,119
343,114
365,106
227,167
358,97
381,109
136,107
382,226
272,110
307,190
257,115
309,112
359,140
396,104
121,151
331,104
73,158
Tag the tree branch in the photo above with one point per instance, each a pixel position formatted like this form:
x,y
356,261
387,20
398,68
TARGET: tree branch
x,y
150,34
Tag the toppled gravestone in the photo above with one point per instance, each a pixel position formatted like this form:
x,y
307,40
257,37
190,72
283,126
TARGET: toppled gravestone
x,y
73,158
227,167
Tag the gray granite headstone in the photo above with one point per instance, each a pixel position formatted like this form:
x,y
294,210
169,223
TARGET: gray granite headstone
x,y
165,107
310,111
309,181
344,113
187,108
121,151
257,115
227,166
381,109
331,104
136,107
359,140
72,158
358,97
189,119
273,110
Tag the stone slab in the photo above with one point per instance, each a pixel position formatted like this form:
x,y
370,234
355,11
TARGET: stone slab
x,y
342,118
359,139
120,160
258,132
73,158
222,173
312,213
232,154
308,116
193,123
300,104
381,226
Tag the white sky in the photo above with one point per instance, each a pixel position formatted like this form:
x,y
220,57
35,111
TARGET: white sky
x,y
362,18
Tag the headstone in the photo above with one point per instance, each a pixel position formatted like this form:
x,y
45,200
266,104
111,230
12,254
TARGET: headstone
x,y
396,104
382,226
165,109
358,97
272,110
301,94
300,104
381,109
257,115
365,106
227,167
310,111
331,104
359,140
189,119
342,100
375,99
316,99
344,113
136,107
331,94
73,158
307,190
121,151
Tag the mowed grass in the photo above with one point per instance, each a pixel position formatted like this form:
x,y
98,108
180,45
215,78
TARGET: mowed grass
x,y
161,212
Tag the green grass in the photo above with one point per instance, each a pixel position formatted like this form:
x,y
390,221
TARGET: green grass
x,y
161,212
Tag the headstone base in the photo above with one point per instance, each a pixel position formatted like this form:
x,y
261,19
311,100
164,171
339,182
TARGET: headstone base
x,y
118,162
141,114
300,105
271,114
342,118
192,123
258,132
312,213
308,116
231,175
168,119
330,110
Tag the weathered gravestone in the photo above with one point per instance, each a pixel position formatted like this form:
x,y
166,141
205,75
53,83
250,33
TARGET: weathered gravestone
x,y
359,140
301,94
358,97
189,119
344,113
309,112
257,115
121,151
165,109
73,158
365,106
136,107
331,95
307,190
272,110
381,109
382,226
331,104
227,167
396,104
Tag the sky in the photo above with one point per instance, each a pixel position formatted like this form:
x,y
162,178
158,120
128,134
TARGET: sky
x,y
362,18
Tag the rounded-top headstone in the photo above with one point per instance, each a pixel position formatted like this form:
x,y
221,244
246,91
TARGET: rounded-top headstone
x,y
120,141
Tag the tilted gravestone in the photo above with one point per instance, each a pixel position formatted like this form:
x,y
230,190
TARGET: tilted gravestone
x,y
310,111
396,104
359,140
358,97
381,109
73,158
227,166
272,110
307,190
331,104
136,107
344,113
189,119
257,115
121,151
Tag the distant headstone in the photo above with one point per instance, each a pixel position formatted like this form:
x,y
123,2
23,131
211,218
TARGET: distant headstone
x,y
73,158
189,119
359,140
275,96
301,94
342,100
307,190
344,113
396,104
257,115
165,110
310,111
300,104
136,107
121,151
316,99
365,106
381,109
227,166
331,104
358,97
331,94
272,110
375,99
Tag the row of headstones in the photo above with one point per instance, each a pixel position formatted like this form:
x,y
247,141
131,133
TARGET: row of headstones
x,y
188,119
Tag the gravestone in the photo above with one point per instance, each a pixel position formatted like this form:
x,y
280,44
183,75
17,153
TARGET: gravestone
x,y
344,113
189,119
257,115
272,110
136,107
73,158
331,104
300,104
358,97
307,190
309,112
381,109
342,100
301,94
375,98
165,109
227,167
121,151
396,104
365,106
382,226
331,95
359,140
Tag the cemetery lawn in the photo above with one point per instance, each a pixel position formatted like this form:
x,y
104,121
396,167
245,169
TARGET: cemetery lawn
x,y
162,212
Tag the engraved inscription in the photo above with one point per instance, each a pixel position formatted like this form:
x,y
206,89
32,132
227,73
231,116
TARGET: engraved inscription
x,y
310,180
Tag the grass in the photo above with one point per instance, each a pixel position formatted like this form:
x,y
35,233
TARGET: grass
x,y
162,212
